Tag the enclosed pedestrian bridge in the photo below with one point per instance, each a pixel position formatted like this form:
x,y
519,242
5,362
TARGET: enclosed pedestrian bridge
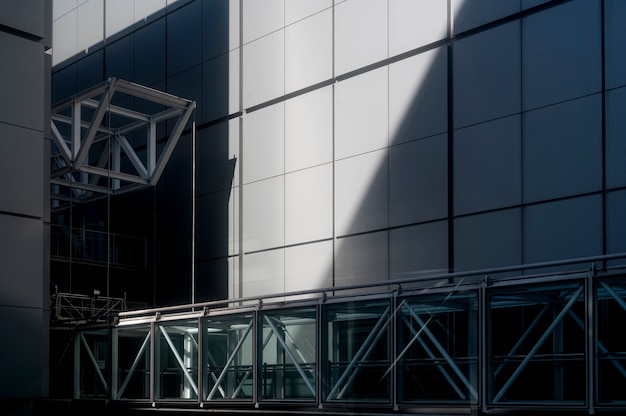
x,y
543,337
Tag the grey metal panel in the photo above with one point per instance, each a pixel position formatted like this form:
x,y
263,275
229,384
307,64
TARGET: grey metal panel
x,y
309,51
418,96
418,249
488,240
471,13
22,82
487,75
22,170
616,223
150,63
264,71
117,63
309,204
615,42
90,71
215,89
415,24
262,18
418,181
263,214
215,28
361,114
212,236
216,163
184,38
264,143
561,53
562,149
488,166
309,266
309,129
32,22
21,262
526,4
361,34
361,258
361,193
615,143
264,273
186,84
563,229
24,357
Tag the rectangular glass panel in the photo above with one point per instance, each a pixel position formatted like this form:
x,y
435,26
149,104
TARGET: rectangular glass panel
x,y
357,352
287,347
177,360
537,338
228,351
133,363
438,348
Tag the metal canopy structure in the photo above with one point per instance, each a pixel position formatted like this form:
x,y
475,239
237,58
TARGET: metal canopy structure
x,y
113,138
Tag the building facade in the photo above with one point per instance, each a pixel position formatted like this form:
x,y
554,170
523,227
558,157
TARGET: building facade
x,y
341,144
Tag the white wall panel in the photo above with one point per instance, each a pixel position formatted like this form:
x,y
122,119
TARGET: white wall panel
x,y
62,7
309,204
309,266
234,70
309,51
301,9
361,259
145,8
21,262
264,143
561,54
488,166
361,121
418,97
64,40
264,214
562,149
487,75
615,143
264,273
21,82
472,13
264,69
615,42
488,240
418,181
260,18
309,129
361,193
564,229
420,249
22,171
361,34
90,24
416,23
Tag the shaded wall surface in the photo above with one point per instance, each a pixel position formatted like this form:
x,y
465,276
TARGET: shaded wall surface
x,y
342,142
25,29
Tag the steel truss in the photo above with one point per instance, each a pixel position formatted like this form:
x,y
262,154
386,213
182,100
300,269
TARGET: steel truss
x,y
541,341
106,139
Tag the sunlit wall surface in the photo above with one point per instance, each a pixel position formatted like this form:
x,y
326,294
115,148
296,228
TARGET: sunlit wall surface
x,y
24,215
353,141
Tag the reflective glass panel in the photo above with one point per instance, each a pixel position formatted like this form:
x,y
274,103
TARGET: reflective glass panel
x,y
287,347
93,354
228,354
132,365
438,348
177,360
536,344
357,351
611,344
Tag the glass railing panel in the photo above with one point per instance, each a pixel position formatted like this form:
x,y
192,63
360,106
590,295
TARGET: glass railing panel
x,y
357,351
288,354
437,348
537,338
228,353
611,343
92,348
132,363
176,360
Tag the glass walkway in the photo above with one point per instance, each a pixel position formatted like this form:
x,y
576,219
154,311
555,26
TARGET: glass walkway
x,y
537,337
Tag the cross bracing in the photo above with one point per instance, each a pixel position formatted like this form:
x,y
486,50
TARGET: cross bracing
x,y
112,138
